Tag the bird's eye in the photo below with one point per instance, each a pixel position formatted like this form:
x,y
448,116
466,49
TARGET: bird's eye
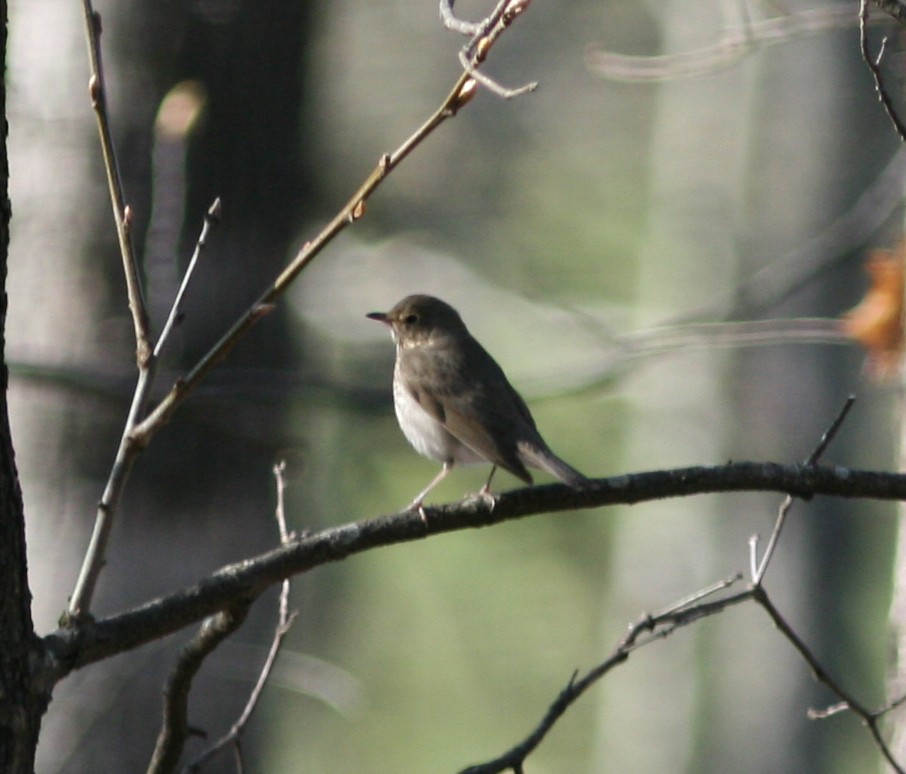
x,y
410,319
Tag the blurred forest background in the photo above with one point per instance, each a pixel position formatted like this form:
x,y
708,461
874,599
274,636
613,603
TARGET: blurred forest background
x,y
551,222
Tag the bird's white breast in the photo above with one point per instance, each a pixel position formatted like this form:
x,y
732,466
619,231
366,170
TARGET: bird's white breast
x,y
428,436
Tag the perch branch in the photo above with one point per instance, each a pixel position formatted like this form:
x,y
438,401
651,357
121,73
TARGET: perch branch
x,y
83,642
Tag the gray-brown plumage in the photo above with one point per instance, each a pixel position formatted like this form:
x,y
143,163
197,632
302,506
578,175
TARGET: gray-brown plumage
x,y
454,403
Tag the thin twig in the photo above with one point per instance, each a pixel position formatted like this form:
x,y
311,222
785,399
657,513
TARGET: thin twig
x,y
80,600
644,631
175,727
352,211
736,43
128,450
490,84
810,461
869,717
451,22
122,214
285,621
874,68
212,217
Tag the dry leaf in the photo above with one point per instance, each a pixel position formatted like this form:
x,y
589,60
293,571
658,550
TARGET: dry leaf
x,y
877,322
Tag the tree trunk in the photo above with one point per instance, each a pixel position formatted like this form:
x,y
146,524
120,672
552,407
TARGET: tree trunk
x,y
21,705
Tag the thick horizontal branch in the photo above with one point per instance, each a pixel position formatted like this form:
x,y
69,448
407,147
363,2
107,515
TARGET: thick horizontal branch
x,y
86,642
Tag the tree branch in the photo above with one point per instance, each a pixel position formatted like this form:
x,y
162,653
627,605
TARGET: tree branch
x,y
84,642
874,66
175,728
141,426
122,215
644,631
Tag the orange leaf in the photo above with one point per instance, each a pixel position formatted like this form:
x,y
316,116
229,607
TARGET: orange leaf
x,y
877,322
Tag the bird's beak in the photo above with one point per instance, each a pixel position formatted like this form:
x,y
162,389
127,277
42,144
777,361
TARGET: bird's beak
x,y
379,316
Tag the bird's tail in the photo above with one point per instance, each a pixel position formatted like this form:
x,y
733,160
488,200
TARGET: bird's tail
x,y
545,459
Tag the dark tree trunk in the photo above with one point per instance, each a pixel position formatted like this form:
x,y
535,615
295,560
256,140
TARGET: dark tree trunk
x,y
21,704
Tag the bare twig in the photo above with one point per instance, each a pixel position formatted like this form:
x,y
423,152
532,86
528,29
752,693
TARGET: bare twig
x,y
122,214
736,43
175,728
875,69
647,629
233,737
869,717
128,450
211,218
451,22
472,56
810,461
353,210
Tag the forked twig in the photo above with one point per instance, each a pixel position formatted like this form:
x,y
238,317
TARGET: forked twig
x,y
759,569
463,91
211,218
870,718
644,631
875,69
285,621
128,450
175,727
122,214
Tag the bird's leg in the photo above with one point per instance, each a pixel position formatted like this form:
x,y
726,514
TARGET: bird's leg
x,y
416,504
485,492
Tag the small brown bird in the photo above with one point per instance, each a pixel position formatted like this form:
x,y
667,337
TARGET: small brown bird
x,y
453,402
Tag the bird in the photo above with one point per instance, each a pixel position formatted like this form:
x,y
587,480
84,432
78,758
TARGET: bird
x,y
454,403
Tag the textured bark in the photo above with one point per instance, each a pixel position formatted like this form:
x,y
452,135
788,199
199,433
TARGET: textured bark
x,y
21,702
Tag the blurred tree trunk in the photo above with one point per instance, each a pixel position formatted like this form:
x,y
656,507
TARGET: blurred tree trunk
x,y
727,200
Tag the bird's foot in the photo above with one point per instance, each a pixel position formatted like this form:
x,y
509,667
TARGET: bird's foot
x,y
417,506
488,496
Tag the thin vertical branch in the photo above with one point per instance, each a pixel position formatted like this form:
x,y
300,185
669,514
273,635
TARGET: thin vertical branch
x,y
875,69
233,737
122,213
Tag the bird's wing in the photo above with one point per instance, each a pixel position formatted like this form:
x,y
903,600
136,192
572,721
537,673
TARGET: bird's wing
x,y
474,416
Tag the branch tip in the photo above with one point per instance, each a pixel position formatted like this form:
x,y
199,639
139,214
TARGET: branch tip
x,y
514,9
214,211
